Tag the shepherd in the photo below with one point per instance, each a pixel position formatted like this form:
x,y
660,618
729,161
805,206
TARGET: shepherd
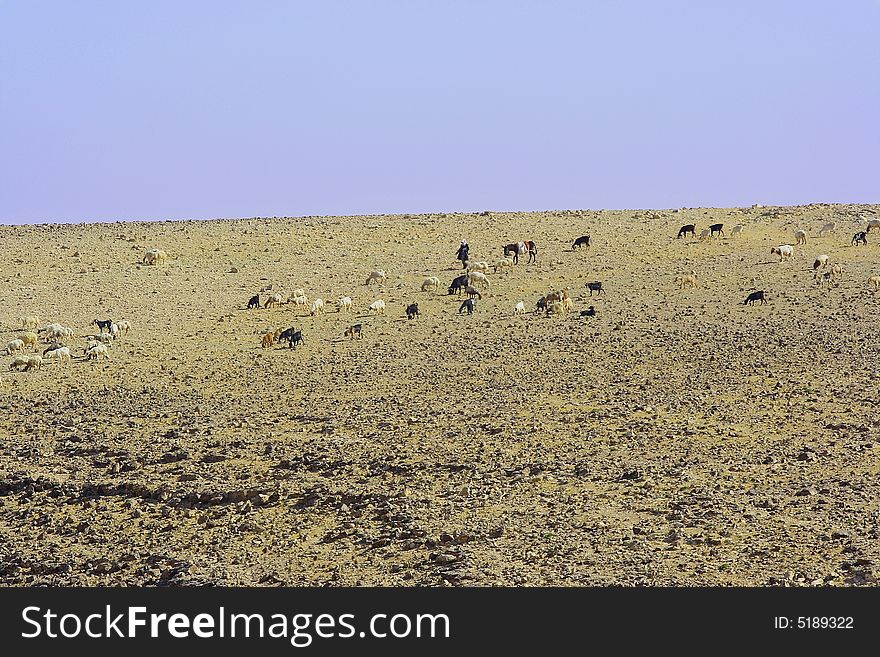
x,y
462,253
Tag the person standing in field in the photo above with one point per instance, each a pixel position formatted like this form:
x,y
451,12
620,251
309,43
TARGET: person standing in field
x,y
462,253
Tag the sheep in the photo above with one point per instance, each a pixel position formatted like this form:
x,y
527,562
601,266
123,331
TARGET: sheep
x,y
55,332
355,330
827,228
687,280
472,292
874,282
872,223
94,352
114,330
800,237
13,346
124,325
29,322
820,262
377,307
343,304
300,300
316,307
519,308
155,257
298,292
431,283
29,339
555,308
481,266
836,271
567,305
784,251
737,230
378,275
268,339
501,264
478,277
275,299
19,362
704,234
26,363
61,353
556,296
102,338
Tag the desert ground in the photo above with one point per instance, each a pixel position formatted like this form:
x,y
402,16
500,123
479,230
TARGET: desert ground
x,y
677,437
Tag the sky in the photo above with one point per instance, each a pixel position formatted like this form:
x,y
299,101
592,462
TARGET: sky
x,y
199,109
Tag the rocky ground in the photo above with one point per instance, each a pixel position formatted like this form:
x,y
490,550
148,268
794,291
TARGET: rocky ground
x,y
676,438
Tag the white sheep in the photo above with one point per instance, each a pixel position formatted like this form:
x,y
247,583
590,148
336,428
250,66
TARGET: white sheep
x,y
29,322
298,292
872,223
124,325
519,308
26,363
99,338
687,280
299,300
14,345
378,307
737,230
704,234
800,237
378,275
478,277
96,351
155,257
431,283
827,228
19,362
480,265
114,329
820,262
784,251
29,339
274,299
343,304
874,282
502,263
316,307
61,353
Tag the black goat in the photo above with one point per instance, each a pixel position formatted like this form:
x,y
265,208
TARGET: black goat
x,y
412,311
860,238
467,305
755,296
356,330
254,302
589,312
103,324
292,336
688,228
458,284
594,286
716,228
583,240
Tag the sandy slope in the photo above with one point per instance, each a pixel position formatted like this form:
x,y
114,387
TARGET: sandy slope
x,y
678,437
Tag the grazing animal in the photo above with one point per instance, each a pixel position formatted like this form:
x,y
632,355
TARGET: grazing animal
x,y
737,230
343,304
61,353
155,257
820,262
254,302
412,311
124,325
687,228
560,295
268,339
316,307
19,363
503,262
275,299
594,286
687,280
103,325
468,305
824,279
716,228
301,300
800,237
377,307
478,277
29,322
874,282
555,308
481,265
26,363
755,296
356,330
472,292
860,238
292,336
827,228
540,305
30,339
431,283
704,234
836,271
519,308
516,249
784,251
459,283
13,346
872,223
589,312
95,352
583,240
378,276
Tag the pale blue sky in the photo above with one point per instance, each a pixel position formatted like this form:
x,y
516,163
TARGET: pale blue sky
x,y
163,109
